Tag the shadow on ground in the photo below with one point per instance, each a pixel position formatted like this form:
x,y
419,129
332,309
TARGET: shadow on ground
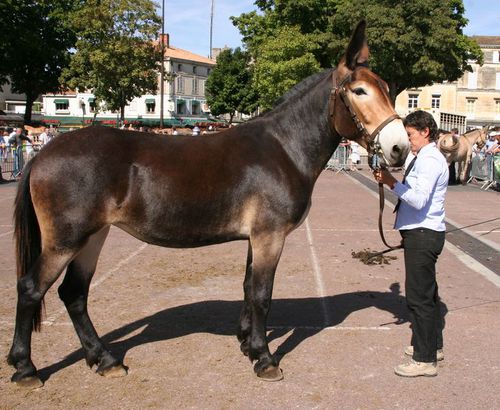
x,y
303,316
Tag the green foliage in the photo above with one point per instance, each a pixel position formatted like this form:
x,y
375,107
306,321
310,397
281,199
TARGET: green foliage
x,y
228,87
310,16
284,60
34,46
116,57
412,43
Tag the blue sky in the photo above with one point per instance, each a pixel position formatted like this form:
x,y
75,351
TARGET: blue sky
x,y
189,22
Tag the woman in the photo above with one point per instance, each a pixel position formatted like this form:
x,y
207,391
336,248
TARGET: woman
x,y
420,220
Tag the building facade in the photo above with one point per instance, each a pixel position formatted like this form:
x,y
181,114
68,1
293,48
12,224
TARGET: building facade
x,y
184,100
474,98
13,103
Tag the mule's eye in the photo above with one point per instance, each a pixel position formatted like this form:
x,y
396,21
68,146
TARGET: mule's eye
x,y
359,91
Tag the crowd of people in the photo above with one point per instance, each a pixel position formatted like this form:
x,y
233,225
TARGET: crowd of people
x,y
196,130
16,143
487,153
21,143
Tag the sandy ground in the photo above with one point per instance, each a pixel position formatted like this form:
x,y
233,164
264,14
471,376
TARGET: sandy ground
x,y
338,326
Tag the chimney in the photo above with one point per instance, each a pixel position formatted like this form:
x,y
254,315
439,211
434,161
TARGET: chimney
x,y
165,38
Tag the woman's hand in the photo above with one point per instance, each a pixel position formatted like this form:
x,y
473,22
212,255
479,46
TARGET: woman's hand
x,y
383,176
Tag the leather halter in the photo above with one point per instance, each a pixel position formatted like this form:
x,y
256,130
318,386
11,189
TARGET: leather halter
x,y
372,139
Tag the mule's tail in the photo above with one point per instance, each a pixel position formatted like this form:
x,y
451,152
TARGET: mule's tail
x,y
27,234
446,147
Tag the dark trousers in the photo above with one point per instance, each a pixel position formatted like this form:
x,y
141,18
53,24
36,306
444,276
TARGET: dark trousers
x,y
421,250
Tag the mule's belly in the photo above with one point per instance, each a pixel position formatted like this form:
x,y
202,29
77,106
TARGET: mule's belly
x,y
175,238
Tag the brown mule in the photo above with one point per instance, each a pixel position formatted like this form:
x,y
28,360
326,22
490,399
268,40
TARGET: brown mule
x,y
252,182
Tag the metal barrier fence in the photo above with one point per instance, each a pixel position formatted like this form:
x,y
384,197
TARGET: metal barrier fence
x,y
340,161
486,169
13,160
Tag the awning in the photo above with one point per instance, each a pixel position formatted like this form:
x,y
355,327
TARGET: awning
x,y
180,101
150,101
91,100
195,102
61,101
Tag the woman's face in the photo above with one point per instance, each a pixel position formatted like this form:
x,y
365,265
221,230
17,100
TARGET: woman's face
x,y
417,138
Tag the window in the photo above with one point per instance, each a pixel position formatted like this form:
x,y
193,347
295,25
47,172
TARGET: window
x,y
194,69
497,107
181,107
195,86
472,80
412,100
62,105
196,108
496,56
179,67
497,82
209,71
150,105
92,104
180,84
470,105
436,101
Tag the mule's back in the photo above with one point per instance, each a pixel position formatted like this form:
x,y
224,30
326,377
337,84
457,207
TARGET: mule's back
x,y
171,191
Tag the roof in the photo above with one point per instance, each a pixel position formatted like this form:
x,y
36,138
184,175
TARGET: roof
x,y
487,40
174,52
65,93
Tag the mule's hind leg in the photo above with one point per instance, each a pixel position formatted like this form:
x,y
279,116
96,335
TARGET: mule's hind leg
x,y
74,293
266,251
31,289
245,323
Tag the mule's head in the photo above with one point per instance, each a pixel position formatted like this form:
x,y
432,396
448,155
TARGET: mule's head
x,y
483,136
361,108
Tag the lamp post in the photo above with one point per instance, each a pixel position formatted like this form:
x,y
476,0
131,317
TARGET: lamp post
x,y
162,69
211,27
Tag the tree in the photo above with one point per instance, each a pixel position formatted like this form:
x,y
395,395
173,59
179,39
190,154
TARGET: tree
x,y
35,46
310,16
412,43
283,61
229,85
116,57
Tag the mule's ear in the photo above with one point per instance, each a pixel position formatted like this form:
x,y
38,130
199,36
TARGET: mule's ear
x,y
357,51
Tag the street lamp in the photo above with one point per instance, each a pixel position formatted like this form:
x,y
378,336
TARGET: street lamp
x,y
162,69
211,26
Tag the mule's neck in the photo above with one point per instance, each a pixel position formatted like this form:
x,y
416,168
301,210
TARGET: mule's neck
x,y
301,124
472,136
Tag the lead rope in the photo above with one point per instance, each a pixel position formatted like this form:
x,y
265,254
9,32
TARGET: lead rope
x,y
375,165
380,217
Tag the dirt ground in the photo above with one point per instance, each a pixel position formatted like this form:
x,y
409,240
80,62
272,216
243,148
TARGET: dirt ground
x,y
338,326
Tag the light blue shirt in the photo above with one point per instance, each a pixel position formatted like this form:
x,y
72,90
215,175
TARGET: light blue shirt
x,y
423,192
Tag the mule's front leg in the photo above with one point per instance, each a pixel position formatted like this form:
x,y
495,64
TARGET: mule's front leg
x,y
266,254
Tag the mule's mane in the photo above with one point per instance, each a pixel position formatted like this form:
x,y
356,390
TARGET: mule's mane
x,y
302,86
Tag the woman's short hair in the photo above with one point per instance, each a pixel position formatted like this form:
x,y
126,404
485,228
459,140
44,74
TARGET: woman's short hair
x,y
420,120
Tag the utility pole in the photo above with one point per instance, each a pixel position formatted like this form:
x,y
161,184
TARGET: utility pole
x,y
162,68
211,27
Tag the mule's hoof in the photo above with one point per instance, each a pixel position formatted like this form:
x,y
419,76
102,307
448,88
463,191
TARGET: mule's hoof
x,y
29,383
114,372
244,348
271,374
